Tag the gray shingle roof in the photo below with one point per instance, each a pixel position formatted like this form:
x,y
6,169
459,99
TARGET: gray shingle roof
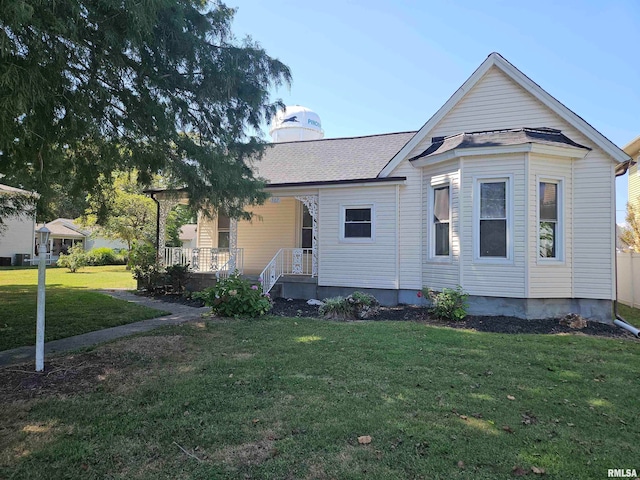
x,y
329,159
493,138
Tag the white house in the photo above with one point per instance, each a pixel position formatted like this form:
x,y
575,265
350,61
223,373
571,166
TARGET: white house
x,y
17,238
65,233
504,191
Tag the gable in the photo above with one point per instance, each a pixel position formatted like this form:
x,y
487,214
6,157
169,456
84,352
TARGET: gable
x,y
498,96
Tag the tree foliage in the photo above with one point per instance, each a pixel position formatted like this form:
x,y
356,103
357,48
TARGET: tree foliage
x,y
14,205
120,210
631,232
179,216
89,86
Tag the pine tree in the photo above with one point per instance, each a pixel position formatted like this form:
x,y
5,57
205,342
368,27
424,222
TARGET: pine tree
x,y
88,87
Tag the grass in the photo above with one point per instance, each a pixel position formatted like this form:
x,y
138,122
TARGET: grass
x,y
631,315
71,308
95,278
288,398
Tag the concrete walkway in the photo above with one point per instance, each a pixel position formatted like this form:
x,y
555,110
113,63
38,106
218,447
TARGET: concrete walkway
x,y
178,314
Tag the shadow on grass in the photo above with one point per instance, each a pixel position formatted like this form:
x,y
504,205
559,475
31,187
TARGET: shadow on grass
x,y
69,311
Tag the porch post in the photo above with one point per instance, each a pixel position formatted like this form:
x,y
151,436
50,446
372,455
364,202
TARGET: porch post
x,y
233,244
311,202
164,207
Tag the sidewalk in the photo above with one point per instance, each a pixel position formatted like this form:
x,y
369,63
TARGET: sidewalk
x,y
178,314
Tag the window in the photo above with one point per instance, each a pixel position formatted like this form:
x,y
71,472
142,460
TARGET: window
x,y
307,228
549,220
493,219
224,225
441,221
357,223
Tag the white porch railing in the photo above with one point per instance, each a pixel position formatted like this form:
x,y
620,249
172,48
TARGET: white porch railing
x,y
287,261
217,260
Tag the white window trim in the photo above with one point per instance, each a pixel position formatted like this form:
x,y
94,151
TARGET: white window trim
x,y
431,224
476,219
560,247
343,209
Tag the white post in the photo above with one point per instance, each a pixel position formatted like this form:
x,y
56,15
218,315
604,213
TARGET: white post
x,y
42,260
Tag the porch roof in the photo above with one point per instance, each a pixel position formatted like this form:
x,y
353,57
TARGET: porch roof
x,y
329,160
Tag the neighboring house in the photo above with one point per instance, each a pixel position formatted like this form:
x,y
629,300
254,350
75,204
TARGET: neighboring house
x,y
504,191
16,240
633,150
65,233
189,235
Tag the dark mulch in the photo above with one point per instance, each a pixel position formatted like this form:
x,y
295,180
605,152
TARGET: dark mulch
x,y
495,324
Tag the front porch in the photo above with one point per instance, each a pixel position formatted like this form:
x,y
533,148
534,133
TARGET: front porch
x,y
280,241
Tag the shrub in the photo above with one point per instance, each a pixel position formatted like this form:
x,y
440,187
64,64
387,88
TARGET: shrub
x,y
236,297
105,256
357,305
75,259
335,307
177,277
144,266
450,304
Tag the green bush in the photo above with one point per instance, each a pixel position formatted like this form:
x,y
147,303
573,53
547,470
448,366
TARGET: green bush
x,y
335,307
449,304
236,297
358,305
75,259
176,276
105,256
145,267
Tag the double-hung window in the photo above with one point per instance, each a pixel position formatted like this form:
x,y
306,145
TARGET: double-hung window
x,y
441,221
224,226
549,226
493,218
307,228
357,223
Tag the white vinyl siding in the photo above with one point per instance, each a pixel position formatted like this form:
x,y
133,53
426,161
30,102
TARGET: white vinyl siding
x,y
497,102
412,218
19,237
550,279
634,185
436,273
490,276
362,265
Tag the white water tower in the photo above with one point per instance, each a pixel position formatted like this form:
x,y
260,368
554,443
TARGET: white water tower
x,y
296,123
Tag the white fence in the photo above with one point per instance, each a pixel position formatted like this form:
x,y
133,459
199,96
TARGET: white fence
x,y
629,278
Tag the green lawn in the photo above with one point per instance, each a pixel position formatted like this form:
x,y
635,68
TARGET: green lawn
x,y
288,398
71,308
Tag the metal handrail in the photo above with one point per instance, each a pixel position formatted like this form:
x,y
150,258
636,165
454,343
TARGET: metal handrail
x,y
287,261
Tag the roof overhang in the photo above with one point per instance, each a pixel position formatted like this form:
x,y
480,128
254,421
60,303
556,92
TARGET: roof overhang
x,y
633,150
181,193
356,182
551,150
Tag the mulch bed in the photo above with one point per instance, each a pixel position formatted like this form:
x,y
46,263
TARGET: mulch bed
x,y
496,324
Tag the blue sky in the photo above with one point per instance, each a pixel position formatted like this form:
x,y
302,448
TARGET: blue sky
x,y
370,67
